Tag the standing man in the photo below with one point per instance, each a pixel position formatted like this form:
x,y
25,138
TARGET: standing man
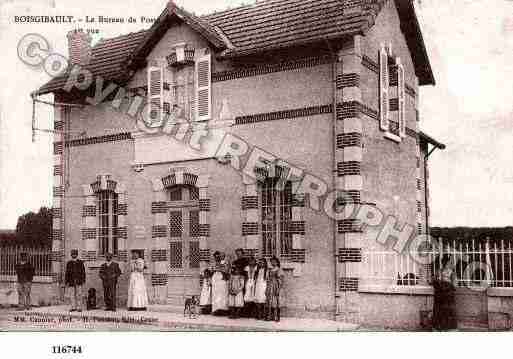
x,y
75,279
109,273
25,274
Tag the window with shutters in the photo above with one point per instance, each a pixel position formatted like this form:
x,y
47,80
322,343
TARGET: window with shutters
x,y
155,96
182,97
391,72
203,88
181,93
107,204
384,100
401,98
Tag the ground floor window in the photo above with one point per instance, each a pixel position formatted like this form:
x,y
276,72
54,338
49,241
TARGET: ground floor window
x,y
107,203
184,228
275,216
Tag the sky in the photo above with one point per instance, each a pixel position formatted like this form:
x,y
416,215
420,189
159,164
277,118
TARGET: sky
x,y
470,44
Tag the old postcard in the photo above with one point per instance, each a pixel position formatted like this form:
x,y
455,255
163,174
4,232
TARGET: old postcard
x,y
268,166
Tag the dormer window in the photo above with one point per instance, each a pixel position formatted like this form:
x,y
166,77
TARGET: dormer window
x,y
181,91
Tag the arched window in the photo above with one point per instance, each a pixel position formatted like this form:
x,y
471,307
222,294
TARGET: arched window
x,y
107,204
275,216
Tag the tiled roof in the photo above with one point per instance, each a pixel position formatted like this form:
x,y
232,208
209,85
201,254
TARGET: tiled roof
x,y
282,23
263,26
108,60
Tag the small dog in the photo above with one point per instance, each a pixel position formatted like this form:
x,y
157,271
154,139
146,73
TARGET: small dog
x,y
91,299
191,306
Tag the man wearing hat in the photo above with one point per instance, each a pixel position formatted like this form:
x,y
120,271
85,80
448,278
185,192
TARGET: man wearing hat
x,y
25,274
75,279
109,273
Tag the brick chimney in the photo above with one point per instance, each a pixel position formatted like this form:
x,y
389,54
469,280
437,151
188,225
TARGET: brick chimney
x,y
79,47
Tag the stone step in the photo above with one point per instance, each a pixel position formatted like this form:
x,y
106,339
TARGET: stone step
x,y
176,300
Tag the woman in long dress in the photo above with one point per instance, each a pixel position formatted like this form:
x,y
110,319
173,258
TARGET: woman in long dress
x,y
137,295
219,285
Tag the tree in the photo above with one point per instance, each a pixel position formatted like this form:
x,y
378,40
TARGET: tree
x,y
35,229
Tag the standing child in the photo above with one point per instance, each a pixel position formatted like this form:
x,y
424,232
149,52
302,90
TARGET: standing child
x,y
206,293
260,288
249,288
236,295
274,283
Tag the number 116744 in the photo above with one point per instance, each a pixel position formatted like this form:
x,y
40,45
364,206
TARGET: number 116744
x,y
66,349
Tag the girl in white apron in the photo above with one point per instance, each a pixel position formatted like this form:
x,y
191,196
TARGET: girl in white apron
x,y
206,293
260,288
249,289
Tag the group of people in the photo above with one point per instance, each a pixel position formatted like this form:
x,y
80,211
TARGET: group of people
x,y
245,287
109,273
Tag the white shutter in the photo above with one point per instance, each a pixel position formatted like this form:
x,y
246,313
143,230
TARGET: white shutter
x,y
401,97
203,88
384,103
155,89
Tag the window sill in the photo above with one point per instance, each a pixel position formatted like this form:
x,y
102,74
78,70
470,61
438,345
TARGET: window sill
x,y
397,289
297,268
500,292
391,136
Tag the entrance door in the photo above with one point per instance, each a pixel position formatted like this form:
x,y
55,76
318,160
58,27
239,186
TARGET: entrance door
x,y
184,258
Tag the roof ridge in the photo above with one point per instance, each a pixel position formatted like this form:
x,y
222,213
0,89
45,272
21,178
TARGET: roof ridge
x,y
103,40
264,26
240,7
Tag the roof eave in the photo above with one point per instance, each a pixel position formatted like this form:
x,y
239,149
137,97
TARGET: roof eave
x,y
426,138
236,53
411,28
159,27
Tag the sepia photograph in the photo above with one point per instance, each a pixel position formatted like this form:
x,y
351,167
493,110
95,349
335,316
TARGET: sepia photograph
x,y
256,166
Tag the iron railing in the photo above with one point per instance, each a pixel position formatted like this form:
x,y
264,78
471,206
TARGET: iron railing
x,y
40,258
473,262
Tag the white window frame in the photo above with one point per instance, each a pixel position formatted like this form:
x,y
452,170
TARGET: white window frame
x,y
384,90
201,86
151,97
107,222
401,98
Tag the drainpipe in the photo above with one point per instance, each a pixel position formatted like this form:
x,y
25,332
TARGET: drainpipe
x,y
426,198
333,170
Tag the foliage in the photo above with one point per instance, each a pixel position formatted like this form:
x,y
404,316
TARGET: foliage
x,y
35,229
466,233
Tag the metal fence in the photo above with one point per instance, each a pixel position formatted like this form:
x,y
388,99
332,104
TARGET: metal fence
x,y
474,262
40,258
478,262
392,268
